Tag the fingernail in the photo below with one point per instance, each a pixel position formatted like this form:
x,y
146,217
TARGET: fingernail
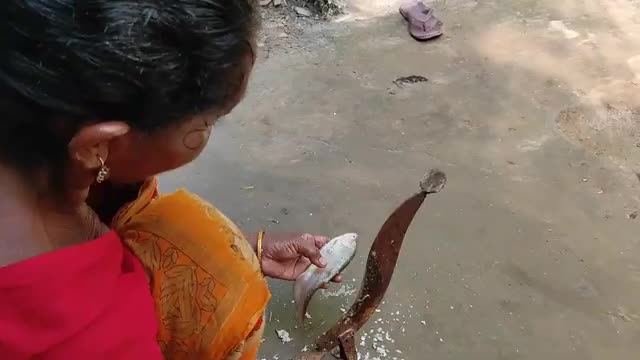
x,y
323,262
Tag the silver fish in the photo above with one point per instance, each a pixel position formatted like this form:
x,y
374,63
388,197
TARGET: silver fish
x,y
338,253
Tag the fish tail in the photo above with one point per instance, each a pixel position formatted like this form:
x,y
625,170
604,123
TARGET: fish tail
x,y
302,296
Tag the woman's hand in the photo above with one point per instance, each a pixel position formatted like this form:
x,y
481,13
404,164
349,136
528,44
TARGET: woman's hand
x,y
286,256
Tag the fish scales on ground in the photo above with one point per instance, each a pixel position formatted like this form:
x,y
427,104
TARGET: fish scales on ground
x,y
338,253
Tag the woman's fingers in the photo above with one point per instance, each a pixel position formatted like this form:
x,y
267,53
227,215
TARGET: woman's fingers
x,y
320,241
337,279
307,247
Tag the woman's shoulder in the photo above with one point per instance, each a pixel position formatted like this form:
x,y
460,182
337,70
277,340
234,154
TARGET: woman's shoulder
x,y
100,276
33,260
13,251
204,273
191,226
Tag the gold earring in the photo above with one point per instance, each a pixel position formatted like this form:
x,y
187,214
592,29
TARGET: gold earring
x,y
103,173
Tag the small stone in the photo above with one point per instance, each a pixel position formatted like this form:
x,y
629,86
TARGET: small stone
x,y
303,11
632,215
277,2
265,2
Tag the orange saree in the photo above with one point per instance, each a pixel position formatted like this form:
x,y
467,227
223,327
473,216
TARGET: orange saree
x,y
209,292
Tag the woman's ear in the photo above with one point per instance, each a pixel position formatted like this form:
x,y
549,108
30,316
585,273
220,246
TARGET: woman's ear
x,y
89,147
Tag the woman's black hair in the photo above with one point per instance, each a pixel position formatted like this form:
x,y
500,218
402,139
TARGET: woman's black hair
x,y
150,63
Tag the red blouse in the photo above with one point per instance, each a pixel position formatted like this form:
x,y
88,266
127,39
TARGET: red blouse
x,y
90,301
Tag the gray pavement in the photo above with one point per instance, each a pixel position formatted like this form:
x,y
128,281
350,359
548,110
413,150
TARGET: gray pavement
x,y
531,108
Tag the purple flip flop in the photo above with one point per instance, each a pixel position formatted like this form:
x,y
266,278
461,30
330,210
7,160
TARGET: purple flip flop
x,y
423,25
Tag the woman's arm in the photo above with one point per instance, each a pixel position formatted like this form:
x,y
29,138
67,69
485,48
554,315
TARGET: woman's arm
x,y
275,237
308,245
252,239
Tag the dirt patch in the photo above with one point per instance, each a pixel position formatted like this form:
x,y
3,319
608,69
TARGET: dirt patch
x,y
281,28
609,131
284,25
329,8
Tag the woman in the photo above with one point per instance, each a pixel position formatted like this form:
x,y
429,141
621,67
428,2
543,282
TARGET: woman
x,y
98,97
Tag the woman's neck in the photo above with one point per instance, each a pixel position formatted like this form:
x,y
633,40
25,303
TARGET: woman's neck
x,y
31,225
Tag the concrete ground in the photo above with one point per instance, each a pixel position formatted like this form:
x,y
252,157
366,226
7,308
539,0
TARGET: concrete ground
x,y
531,108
